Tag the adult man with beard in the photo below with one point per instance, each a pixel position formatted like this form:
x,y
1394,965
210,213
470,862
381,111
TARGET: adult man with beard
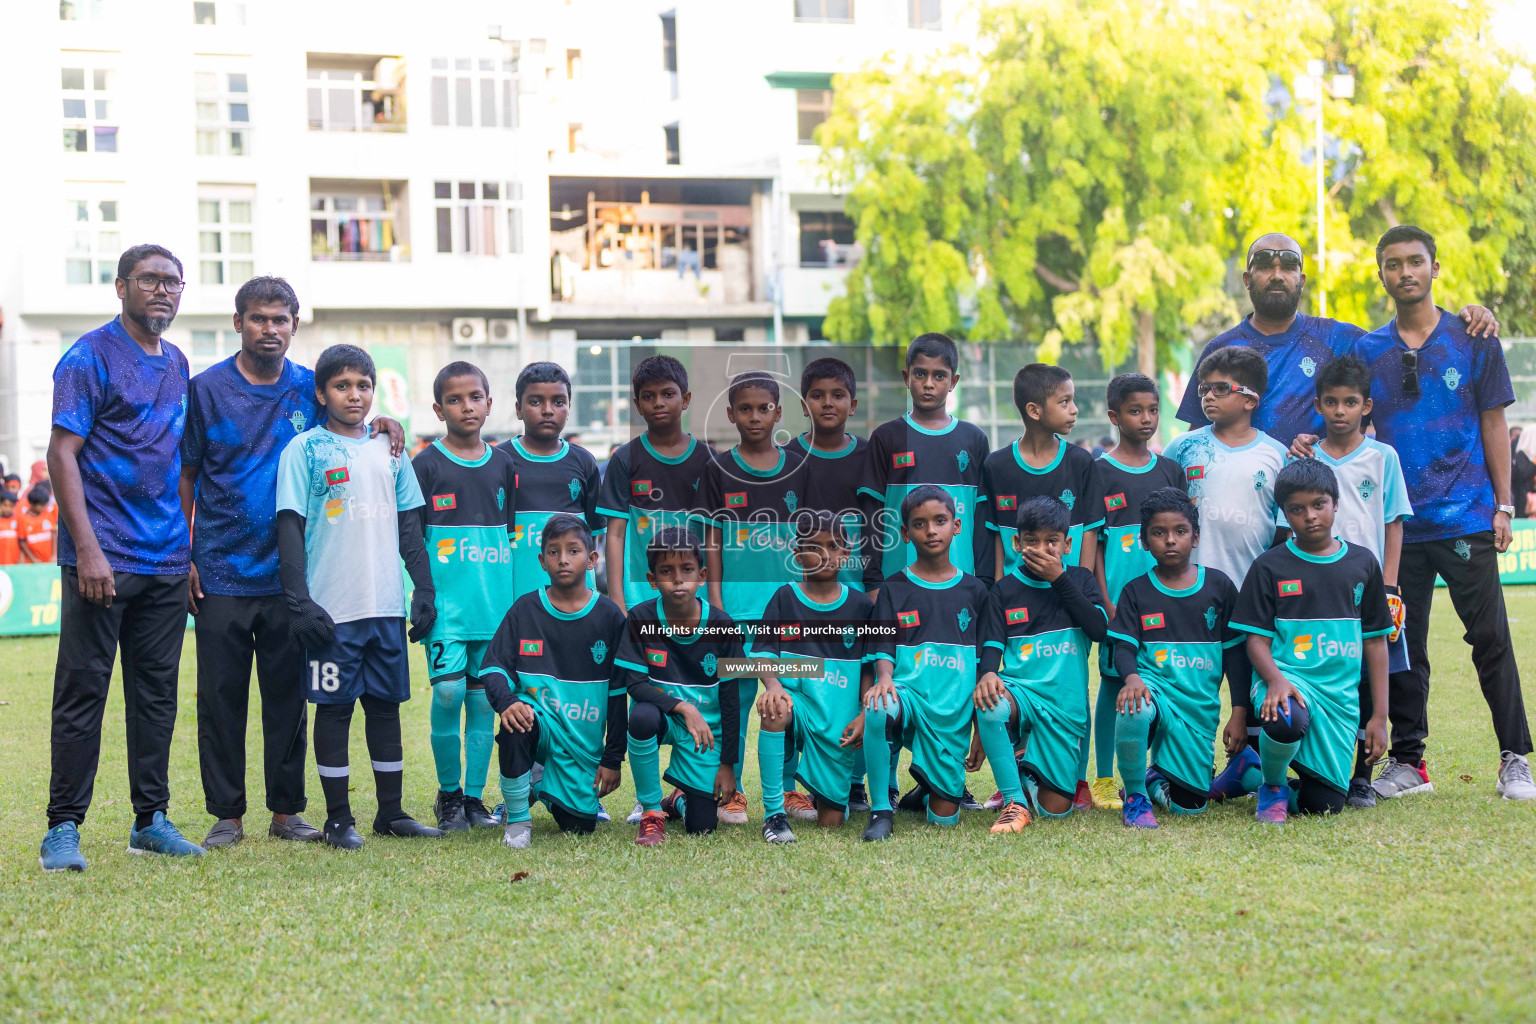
x,y
119,406
243,412
1293,344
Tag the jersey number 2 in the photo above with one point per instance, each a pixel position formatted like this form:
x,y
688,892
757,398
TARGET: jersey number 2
x,y
324,676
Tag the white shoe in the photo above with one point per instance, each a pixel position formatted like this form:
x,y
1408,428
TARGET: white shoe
x,y
1515,777
634,815
518,835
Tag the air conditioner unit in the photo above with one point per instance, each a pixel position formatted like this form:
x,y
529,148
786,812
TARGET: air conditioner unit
x,y
503,332
469,330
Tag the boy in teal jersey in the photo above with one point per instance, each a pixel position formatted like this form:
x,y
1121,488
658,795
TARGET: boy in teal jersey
x,y
553,476
822,618
928,446
651,482
1117,484
1039,623
550,674
746,501
680,694
471,490
925,669
1172,643
1314,607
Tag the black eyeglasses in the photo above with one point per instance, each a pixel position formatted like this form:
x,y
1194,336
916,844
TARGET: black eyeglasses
x,y
1411,374
1263,259
172,285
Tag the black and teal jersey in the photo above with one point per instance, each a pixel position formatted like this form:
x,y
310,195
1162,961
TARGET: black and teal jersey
x,y
752,509
1181,639
903,455
1115,493
1010,481
1317,612
936,644
469,517
832,485
564,665
649,490
547,485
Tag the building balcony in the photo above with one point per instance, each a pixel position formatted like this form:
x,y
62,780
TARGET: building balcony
x,y
356,93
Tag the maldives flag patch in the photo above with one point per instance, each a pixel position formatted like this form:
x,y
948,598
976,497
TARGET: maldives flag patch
x,y
1007,501
1195,473
336,476
1114,502
531,648
736,499
1017,615
1153,621
640,487
444,501
903,460
1290,588
655,657
908,618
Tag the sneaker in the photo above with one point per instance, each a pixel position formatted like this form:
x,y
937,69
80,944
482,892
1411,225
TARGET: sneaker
x,y
669,807
858,799
776,829
1082,799
225,832
735,810
477,815
1015,818
294,830
995,802
969,802
1515,777
653,829
406,827
797,805
61,849
1157,789
602,815
518,835
633,817
1105,794
881,825
1229,784
1399,778
342,835
1274,804
449,808
161,837
1136,812
912,801
1361,795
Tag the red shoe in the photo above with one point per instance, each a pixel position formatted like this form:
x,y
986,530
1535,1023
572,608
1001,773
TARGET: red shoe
x,y
669,805
1083,798
995,802
653,829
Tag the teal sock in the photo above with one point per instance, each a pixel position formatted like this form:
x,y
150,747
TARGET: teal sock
x,y
1131,734
645,766
447,705
1251,779
746,690
770,770
791,766
1106,727
993,726
943,819
877,759
1084,747
1275,759
479,737
515,793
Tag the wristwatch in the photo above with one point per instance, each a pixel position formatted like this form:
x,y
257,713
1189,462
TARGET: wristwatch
x,y
1508,510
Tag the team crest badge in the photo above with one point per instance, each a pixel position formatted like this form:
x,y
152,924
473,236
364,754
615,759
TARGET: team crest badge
x,y
1210,618
1309,366
1452,378
575,489
790,501
1359,593
963,459
1259,480
848,638
708,664
1068,498
501,498
1463,550
963,617
599,652
1367,487
297,419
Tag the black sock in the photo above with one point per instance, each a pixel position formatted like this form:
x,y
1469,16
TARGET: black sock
x,y
1362,770
333,723
141,821
381,727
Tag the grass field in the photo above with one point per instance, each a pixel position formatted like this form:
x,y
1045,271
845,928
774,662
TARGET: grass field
x,y
1416,911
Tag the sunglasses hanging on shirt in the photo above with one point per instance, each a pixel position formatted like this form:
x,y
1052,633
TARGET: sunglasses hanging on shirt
x,y
1411,374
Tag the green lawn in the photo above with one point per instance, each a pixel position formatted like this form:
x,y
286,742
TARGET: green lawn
x,y
1415,911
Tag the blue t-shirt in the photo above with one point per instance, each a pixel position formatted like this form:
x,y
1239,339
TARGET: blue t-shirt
x,y
236,432
1437,433
130,408
1294,357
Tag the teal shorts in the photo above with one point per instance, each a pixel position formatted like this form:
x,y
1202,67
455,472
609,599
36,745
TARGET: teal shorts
x,y
938,743
1051,735
821,714
568,773
688,768
448,660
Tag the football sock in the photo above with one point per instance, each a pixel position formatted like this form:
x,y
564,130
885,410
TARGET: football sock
x,y
1362,770
877,758
381,728
1106,728
791,766
447,702
993,726
645,766
770,770
1275,758
1083,747
141,821
943,819
746,690
479,734
515,793
332,724
1131,732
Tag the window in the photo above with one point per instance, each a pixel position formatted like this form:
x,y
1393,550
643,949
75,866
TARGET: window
x,y
811,108
94,239
354,226
220,13
925,14
223,105
82,10
826,239
669,42
210,347
478,92
225,243
572,138
89,122
470,217
674,148
357,94
831,12
572,65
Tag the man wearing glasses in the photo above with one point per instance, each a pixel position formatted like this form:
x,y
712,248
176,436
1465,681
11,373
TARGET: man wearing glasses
x,y
119,407
1293,344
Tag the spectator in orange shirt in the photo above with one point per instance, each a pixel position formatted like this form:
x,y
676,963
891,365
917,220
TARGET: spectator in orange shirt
x,y
10,551
34,527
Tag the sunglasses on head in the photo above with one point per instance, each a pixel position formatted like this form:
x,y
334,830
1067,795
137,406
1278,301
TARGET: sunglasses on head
x,y
1263,259
1411,374
1222,388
